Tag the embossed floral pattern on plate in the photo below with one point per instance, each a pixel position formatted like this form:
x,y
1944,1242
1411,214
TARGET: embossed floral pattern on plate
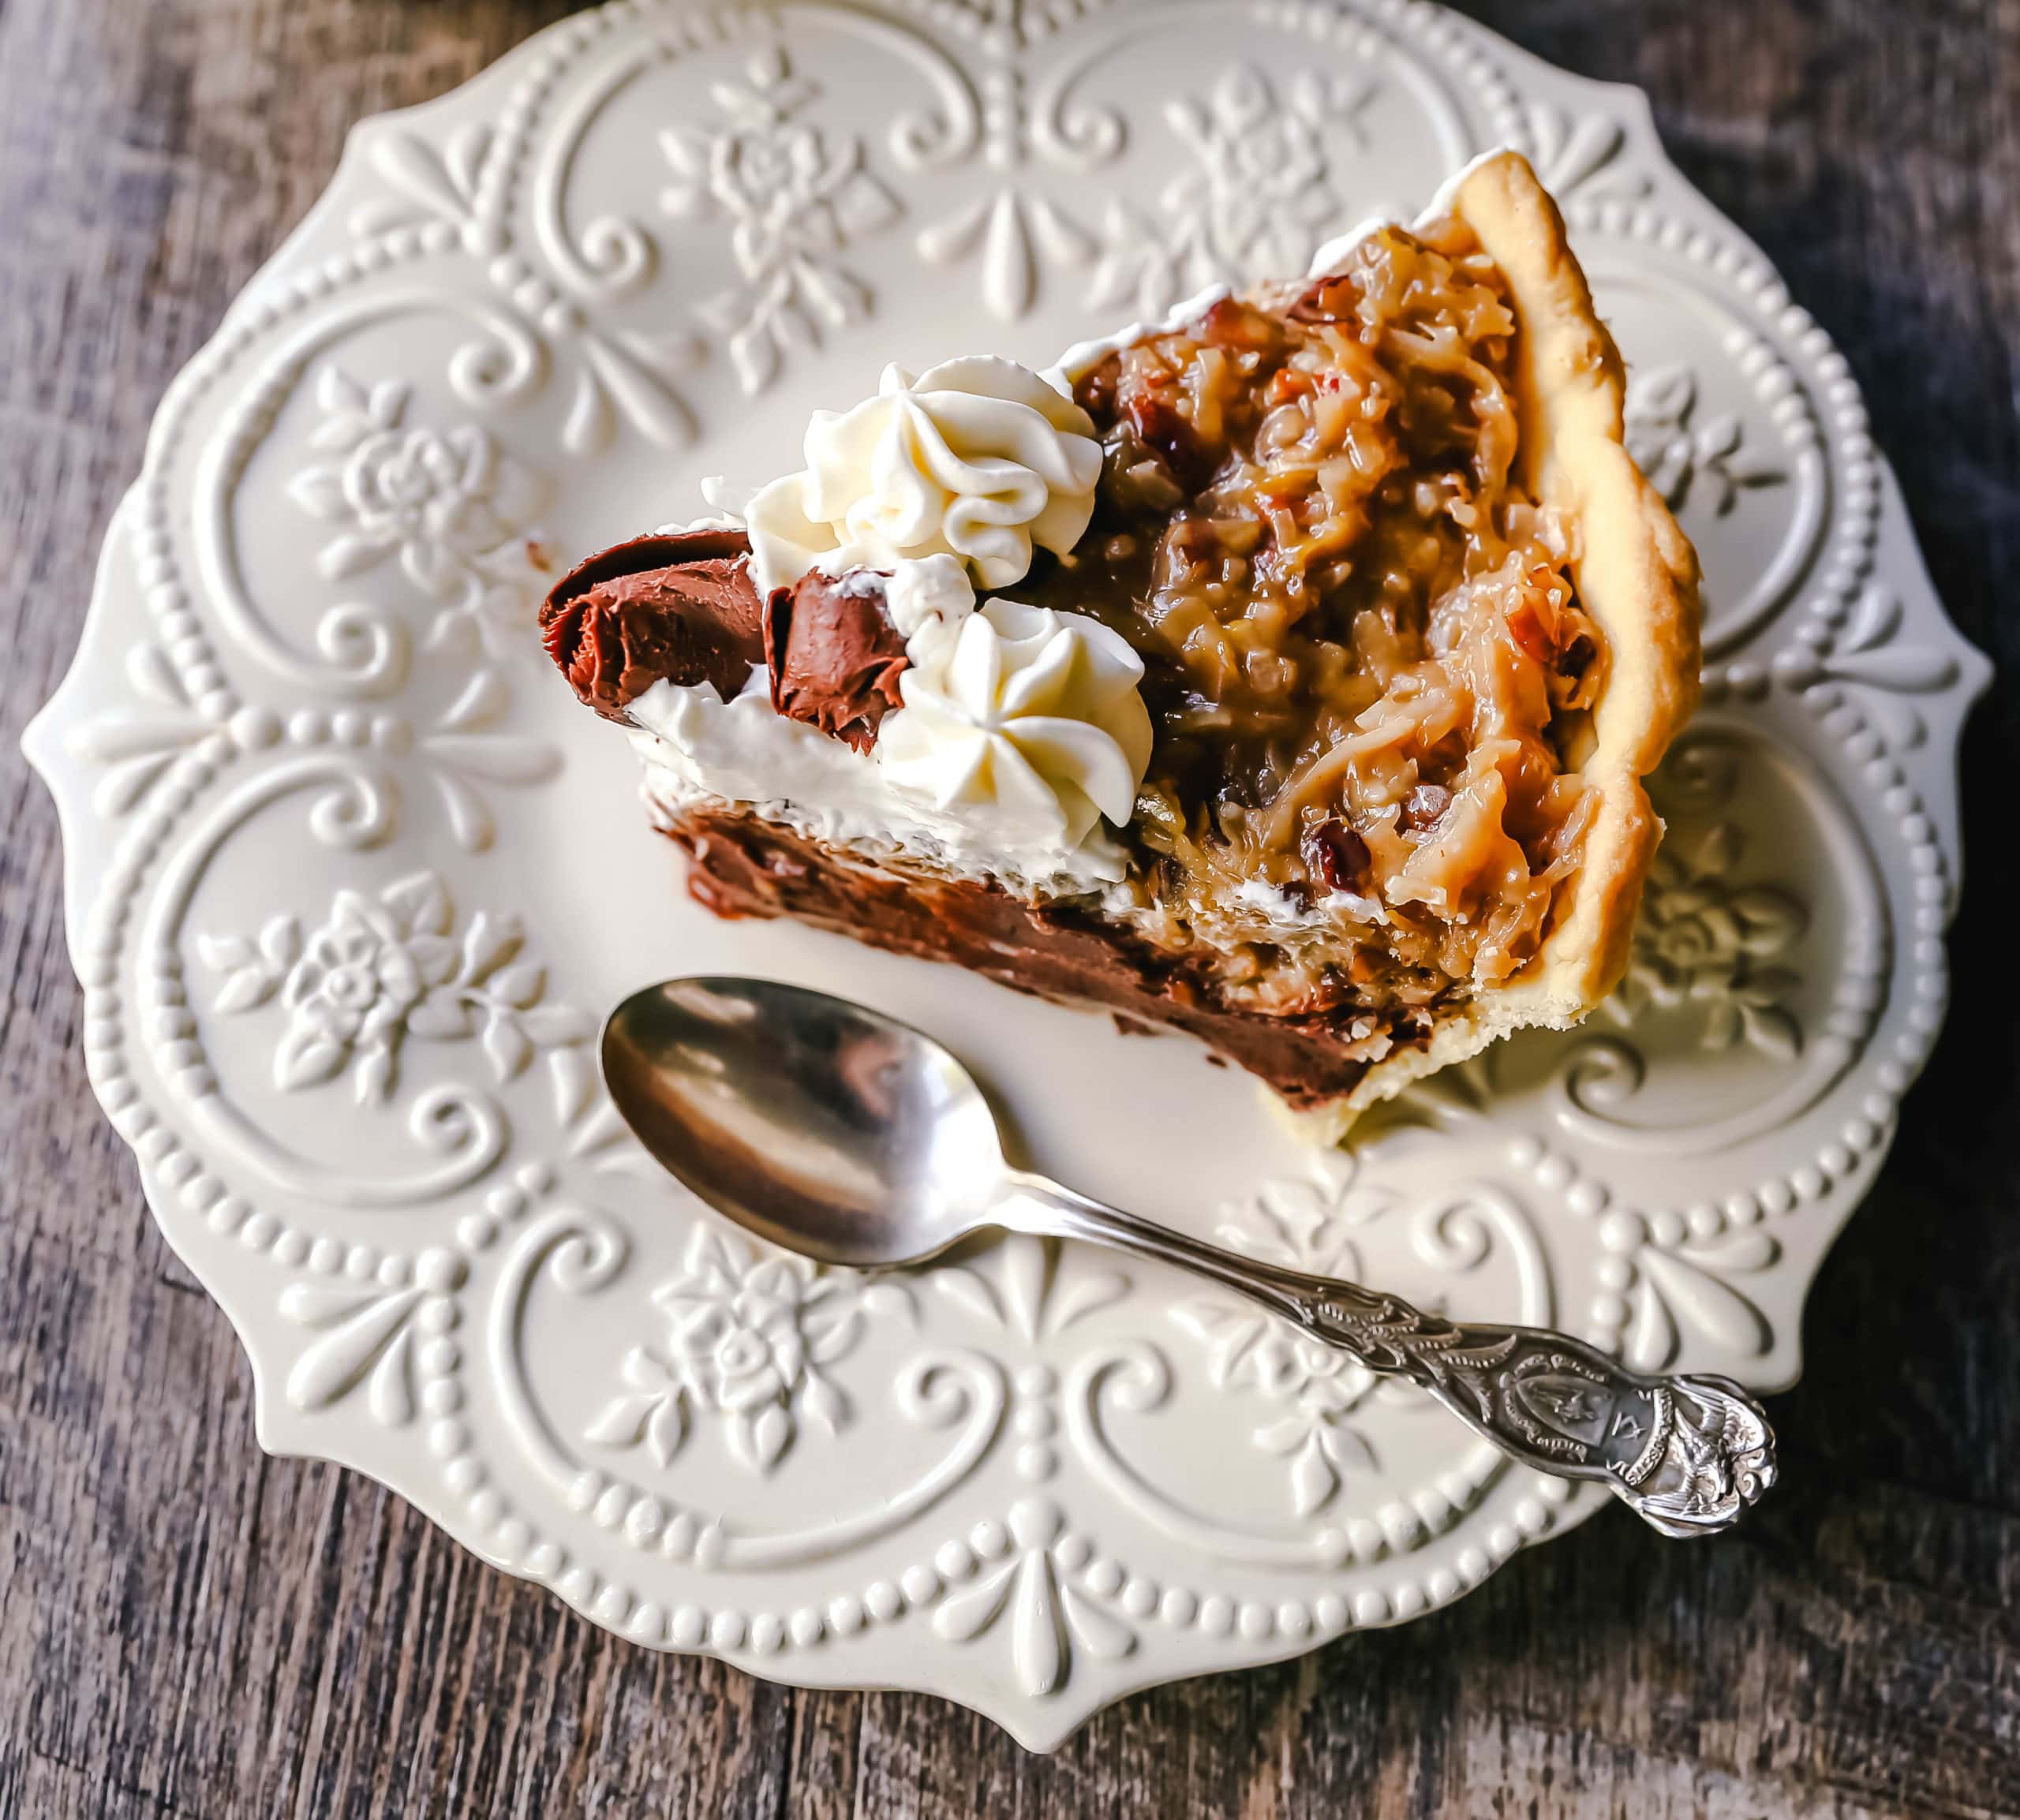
x,y
350,876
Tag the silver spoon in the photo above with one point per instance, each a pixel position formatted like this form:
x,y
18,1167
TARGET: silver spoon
x,y
831,1130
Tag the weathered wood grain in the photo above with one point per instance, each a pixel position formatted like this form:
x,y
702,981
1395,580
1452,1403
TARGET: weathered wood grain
x,y
188,1629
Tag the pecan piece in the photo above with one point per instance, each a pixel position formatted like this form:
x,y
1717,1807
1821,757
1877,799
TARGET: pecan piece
x,y
1339,855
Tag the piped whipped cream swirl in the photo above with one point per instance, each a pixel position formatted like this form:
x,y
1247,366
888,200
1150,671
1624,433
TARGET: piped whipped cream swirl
x,y
978,458
1027,722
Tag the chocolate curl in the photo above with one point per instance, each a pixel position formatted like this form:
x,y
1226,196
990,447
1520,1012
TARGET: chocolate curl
x,y
680,608
834,656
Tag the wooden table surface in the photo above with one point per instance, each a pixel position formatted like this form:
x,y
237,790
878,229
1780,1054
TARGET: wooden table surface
x,y
188,1628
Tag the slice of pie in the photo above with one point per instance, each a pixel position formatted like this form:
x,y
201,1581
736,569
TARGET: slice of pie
x,y
1284,673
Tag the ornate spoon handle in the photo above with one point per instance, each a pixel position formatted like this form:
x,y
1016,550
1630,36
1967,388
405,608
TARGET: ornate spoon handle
x,y
1689,1453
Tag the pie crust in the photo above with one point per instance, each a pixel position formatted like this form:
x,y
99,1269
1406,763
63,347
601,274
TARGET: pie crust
x,y
1635,574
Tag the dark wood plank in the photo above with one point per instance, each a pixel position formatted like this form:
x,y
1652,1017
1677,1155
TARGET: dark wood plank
x,y
187,1629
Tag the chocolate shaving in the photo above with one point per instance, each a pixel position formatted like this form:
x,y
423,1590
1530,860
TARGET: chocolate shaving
x,y
834,656
679,606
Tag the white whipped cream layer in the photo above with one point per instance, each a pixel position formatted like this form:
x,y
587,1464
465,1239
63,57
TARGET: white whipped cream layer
x,y
1020,729
978,458
697,748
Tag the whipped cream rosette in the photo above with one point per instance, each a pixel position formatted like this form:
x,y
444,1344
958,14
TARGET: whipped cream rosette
x,y
1029,720
978,458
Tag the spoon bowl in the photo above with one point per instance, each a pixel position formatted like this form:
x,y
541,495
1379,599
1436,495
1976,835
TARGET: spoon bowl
x,y
822,1125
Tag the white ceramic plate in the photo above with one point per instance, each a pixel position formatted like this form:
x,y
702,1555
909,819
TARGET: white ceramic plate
x,y
352,878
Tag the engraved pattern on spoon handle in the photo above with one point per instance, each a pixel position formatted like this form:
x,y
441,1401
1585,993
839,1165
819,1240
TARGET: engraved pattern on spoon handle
x,y
1689,1453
